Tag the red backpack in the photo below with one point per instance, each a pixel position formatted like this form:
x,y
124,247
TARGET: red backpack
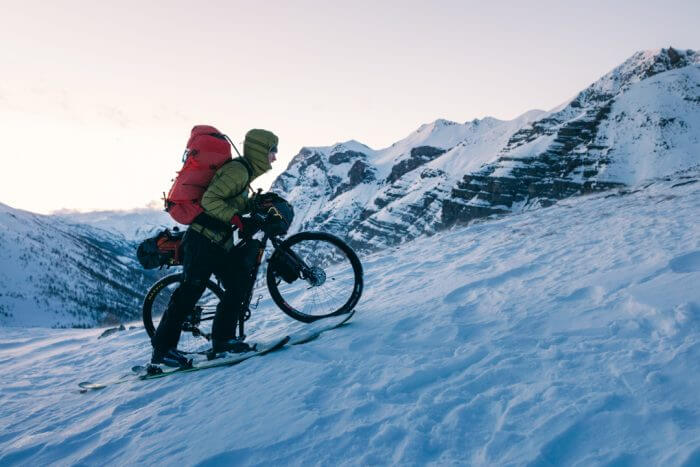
x,y
207,150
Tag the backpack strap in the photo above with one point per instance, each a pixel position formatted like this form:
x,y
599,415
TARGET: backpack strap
x,y
205,220
248,169
246,164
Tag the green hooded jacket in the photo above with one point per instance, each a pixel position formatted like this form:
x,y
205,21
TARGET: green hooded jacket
x,y
227,194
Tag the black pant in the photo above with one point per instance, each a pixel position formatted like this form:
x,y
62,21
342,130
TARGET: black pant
x,y
202,258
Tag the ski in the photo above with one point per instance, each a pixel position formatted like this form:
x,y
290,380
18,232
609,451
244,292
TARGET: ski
x,y
153,371
316,333
217,362
148,372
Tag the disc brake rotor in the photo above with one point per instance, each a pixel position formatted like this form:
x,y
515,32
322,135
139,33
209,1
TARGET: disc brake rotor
x,y
317,277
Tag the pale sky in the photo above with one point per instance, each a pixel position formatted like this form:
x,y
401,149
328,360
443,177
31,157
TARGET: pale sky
x,y
97,98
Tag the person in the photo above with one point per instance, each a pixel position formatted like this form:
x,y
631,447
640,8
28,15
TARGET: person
x,y
208,248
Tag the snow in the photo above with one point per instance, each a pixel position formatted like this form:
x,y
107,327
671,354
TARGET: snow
x,y
57,273
654,127
562,336
635,123
481,147
311,180
442,134
134,225
651,131
474,143
634,69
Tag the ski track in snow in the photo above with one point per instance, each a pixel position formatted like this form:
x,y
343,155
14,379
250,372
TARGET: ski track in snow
x,y
562,336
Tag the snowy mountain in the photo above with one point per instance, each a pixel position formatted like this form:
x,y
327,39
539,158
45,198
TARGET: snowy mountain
x,y
560,336
640,121
57,273
134,225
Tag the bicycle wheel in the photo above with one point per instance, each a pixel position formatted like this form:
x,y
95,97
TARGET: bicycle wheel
x,y
196,330
328,279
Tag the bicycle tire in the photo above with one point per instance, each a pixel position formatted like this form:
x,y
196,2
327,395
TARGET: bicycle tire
x,y
274,281
157,288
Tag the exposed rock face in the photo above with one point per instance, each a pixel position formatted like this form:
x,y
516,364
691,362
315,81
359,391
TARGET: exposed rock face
x,y
573,158
639,121
360,172
419,156
568,167
346,156
396,219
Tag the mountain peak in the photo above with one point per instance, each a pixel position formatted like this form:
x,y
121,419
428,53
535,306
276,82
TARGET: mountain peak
x,y
637,122
651,62
350,145
438,124
642,65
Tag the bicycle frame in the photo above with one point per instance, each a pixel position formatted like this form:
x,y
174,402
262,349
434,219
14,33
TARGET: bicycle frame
x,y
239,330
276,243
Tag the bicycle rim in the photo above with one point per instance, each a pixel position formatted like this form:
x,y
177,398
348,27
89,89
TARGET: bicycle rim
x,y
333,288
199,321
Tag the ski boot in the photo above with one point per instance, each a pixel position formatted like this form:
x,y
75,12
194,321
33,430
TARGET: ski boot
x,y
171,357
229,345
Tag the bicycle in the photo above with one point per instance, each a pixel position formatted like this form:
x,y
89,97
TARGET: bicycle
x,y
310,276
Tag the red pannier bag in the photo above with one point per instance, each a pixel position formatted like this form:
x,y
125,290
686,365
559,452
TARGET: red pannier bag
x,y
163,249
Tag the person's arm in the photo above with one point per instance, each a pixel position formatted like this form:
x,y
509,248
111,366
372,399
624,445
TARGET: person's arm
x,y
226,195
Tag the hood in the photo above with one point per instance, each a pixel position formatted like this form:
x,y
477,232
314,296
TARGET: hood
x,y
256,147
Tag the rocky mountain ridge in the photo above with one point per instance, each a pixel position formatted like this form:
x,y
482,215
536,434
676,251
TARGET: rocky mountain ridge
x,y
639,121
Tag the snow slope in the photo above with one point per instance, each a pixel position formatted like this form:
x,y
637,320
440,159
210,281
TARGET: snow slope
x,y
134,225
654,128
57,273
562,336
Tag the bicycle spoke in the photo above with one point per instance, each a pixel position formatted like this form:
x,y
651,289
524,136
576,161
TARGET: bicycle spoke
x,y
196,330
330,289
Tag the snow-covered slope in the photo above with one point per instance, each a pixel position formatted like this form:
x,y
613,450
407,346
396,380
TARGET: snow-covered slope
x,y
654,128
56,273
561,336
134,225
640,121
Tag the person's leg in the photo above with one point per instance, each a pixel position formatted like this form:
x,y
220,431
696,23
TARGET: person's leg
x,y
199,257
235,274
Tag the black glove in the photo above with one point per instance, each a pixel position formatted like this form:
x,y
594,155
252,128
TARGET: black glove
x,y
264,201
247,226
273,212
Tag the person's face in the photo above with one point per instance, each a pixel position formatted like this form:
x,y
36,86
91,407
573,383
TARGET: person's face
x,y
272,156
